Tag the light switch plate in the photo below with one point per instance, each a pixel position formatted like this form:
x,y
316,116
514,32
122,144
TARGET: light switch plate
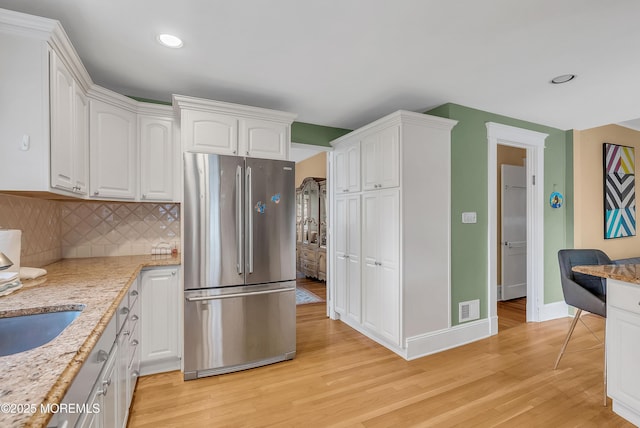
x,y
469,217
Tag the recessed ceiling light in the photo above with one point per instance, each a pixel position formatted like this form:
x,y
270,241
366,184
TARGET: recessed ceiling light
x,y
170,41
563,79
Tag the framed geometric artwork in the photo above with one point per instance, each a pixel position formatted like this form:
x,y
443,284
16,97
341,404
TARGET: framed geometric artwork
x,y
619,191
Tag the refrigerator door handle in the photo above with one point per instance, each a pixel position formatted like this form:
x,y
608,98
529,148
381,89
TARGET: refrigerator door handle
x,y
234,295
239,221
250,216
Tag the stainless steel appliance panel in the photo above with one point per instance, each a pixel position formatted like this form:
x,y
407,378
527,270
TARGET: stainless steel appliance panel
x,y
270,218
236,328
213,221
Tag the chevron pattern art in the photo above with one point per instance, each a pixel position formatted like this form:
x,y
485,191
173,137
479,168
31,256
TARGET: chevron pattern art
x,y
620,193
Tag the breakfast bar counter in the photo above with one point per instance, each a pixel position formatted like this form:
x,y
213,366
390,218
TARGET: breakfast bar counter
x,y
38,378
622,336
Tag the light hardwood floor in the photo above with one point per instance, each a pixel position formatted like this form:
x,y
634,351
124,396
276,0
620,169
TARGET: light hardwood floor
x,y
512,313
340,378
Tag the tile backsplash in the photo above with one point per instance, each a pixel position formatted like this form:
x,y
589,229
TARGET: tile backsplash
x,y
52,230
39,220
96,229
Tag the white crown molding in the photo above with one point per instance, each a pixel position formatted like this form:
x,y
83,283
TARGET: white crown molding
x,y
50,31
27,25
502,132
152,109
200,104
397,118
99,93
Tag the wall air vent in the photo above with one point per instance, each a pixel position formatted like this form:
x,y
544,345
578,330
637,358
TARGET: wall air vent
x,y
469,311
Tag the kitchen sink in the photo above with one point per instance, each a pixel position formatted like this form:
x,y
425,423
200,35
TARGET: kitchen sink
x,y
24,332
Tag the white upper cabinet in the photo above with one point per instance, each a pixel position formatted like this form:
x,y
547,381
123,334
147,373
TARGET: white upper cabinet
x,y
380,159
264,139
44,108
158,158
69,130
113,151
347,167
209,132
231,129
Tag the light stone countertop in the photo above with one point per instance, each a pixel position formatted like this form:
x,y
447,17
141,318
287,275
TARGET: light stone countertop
x,y
625,272
42,375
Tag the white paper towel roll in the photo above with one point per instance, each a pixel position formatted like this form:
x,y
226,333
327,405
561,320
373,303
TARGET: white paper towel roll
x,y
10,245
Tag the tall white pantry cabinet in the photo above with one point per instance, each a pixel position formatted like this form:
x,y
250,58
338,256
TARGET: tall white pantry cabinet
x,y
391,230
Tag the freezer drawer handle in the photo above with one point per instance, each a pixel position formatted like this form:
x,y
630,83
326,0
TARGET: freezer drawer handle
x,y
230,296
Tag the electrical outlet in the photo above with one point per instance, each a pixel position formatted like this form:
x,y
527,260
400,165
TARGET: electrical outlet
x,y
469,217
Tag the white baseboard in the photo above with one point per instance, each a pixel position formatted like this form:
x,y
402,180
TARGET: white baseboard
x,y
441,340
160,366
430,343
552,311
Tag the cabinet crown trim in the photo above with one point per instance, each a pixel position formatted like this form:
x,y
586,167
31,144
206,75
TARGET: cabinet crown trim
x,y
50,31
200,104
397,118
99,93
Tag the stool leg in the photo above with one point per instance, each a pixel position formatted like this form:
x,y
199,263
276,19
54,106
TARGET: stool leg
x,y
576,317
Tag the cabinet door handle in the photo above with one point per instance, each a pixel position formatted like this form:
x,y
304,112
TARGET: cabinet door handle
x,y
134,318
102,356
124,311
134,342
134,292
126,333
96,193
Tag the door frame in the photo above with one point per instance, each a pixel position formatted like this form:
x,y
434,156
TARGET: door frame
x,y
533,142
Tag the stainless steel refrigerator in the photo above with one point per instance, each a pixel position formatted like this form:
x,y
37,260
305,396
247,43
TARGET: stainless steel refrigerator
x,y
239,263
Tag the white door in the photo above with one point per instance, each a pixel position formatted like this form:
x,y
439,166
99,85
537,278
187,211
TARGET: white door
x,y
514,232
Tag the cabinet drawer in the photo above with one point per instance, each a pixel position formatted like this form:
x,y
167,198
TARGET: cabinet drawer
x,y
624,296
308,255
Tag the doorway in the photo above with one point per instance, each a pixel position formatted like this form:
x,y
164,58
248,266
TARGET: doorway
x,y
533,144
511,211
311,222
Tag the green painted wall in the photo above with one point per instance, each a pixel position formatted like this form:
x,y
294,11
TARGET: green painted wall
x,y
317,135
469,169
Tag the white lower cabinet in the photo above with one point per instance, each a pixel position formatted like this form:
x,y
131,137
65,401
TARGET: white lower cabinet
x,y
623,348
160,320
104,386
381,254
347,265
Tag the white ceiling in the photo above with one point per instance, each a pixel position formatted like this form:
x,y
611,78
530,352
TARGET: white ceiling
x,y
344,63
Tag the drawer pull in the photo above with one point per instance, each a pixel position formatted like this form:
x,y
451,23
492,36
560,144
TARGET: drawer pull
x,y
134,318
134,342
102,356
124,311
134,292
